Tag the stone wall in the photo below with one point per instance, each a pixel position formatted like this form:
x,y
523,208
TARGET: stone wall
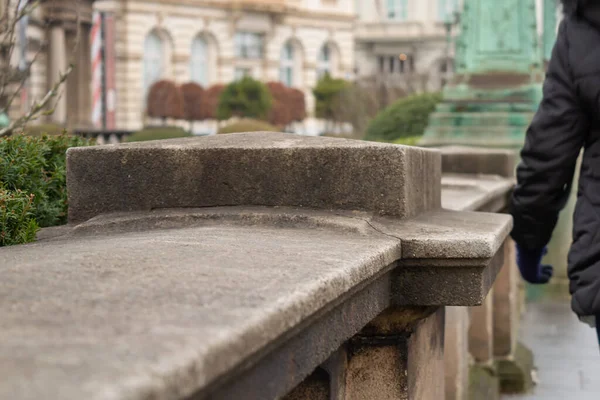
x,y
249,266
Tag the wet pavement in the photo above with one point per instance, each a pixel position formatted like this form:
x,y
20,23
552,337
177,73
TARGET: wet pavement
x,y
566,352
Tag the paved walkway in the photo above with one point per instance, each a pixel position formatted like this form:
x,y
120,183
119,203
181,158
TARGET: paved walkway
x,y
566,351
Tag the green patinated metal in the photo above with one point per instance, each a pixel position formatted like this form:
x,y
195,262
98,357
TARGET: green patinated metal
x,y
499,74
550,25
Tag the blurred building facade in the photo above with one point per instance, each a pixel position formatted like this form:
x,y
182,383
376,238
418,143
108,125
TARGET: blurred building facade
x,y
45,42
217,41
406,42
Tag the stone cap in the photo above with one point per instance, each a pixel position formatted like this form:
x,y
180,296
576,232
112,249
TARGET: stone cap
x,y
166,303
264,169
489,193
477,160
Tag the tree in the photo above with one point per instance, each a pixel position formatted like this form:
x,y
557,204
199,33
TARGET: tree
x,y
165,100
192,102
245,98
297,105
326,92
13,79
281,111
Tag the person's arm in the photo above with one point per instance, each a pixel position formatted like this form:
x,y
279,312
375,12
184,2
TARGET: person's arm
x,y
552,146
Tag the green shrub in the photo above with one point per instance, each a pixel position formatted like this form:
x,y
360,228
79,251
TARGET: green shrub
x,y
248,125
159,133
246,98
17,223
407,117
36,166
408,141
326,94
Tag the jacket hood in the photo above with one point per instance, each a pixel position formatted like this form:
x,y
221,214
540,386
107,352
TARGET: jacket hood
x,y
586,9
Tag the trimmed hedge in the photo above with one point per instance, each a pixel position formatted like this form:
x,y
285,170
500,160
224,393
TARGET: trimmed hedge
x,y
327,94
246,98
33,184
407,117
158,133
248,125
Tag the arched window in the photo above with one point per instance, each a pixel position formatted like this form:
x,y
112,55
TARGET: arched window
x,y
154,60
199,62
287,64
324,61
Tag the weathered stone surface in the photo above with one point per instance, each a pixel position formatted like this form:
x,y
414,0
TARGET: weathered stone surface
x,y
506,304
266,169
377,372
404,365
167,312
515,371
478,161
426,359
170,303
456,353
481,331
432,235
485,193
315,387
483,383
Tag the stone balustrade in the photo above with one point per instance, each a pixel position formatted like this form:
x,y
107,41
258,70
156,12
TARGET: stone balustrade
x,y
483,356
250,266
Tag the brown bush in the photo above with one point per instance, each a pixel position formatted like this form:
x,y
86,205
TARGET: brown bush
x,y
192,101
281,111
210,101
165,100
297,105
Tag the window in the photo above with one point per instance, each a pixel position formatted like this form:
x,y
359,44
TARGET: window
x,y
199,61
286,69
324,61
249,45
154,60
397,9
446,9
396,64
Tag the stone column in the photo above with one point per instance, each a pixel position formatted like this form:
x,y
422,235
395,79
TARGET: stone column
x,y
84,77
57,66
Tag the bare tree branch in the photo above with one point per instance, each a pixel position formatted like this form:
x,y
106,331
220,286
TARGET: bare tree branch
x,y
46,105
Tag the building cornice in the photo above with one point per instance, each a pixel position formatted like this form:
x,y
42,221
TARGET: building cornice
x,y
269,8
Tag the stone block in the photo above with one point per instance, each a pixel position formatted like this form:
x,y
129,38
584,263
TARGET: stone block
x,y
506,304
456,353
265,169
478,161
481,331
515,372
408,364
483,383
315,387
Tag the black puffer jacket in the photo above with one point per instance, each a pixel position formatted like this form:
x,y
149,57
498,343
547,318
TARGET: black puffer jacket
x,y
567,121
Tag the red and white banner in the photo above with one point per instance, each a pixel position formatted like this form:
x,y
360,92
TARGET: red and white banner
x,y
97,72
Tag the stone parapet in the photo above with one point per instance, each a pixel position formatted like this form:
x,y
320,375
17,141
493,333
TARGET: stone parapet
x,y
480,179
253,266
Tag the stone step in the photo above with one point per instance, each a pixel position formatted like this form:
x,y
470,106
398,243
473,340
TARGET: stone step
x,y
486,119
490,136
478,106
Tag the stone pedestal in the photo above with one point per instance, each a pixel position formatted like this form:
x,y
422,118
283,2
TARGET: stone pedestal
x,y
497,86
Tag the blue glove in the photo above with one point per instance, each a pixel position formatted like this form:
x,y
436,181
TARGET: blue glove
x,y
598,327
530,265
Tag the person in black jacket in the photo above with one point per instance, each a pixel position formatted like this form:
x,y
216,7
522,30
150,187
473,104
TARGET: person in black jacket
x,y
567,121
